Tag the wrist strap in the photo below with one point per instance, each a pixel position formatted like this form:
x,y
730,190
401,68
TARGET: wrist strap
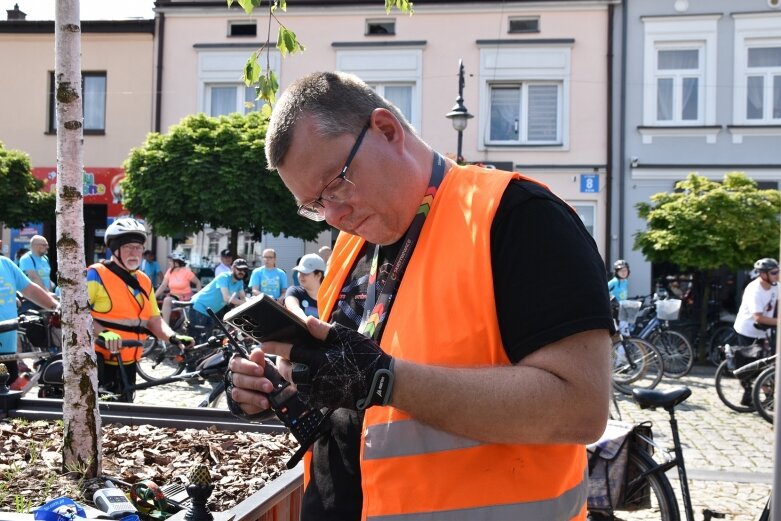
x,y
380,390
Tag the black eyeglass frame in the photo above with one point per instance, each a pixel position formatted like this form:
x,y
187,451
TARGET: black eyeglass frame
x,y
304,209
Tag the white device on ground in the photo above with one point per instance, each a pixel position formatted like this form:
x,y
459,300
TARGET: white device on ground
x,y
113,502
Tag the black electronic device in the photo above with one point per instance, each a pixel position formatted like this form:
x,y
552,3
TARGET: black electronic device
x,y
305,422
264,319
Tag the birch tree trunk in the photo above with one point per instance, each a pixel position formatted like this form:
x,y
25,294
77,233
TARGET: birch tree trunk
x,y
82,441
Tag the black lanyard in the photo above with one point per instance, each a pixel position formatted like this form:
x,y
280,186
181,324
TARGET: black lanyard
x,y
376,309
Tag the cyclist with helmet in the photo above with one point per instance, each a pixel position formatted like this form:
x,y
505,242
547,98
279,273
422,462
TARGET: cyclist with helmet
x,y
119,298
178,283
618,286
226,290
758,306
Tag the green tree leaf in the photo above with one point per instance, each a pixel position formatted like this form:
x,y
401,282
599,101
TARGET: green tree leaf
x,y
211,172
21,199
287,42
252,70
405,6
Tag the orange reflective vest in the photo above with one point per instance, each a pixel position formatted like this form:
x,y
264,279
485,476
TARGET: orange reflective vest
x,y
445,314
129,316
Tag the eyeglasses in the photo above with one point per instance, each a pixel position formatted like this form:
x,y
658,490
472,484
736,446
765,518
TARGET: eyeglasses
x,y
338,190
773,272
133,247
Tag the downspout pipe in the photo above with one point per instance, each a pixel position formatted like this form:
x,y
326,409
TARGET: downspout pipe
x,y
622,135
159,79
609,173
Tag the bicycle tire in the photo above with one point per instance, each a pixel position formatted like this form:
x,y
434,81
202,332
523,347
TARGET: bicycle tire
x,y
159,360
642,366
763,394
729,389
651,486
724,334
676,350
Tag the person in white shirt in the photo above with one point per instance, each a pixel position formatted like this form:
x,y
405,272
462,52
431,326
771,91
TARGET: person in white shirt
x,y
758,307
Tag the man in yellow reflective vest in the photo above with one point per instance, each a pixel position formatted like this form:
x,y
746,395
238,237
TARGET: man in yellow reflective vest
x,y
489,373
119,297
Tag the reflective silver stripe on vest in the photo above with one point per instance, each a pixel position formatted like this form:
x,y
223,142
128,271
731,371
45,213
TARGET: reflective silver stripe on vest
x,y
562,508
408,438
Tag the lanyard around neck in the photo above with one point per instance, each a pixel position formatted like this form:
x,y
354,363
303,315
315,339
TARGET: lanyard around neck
x,y
377,308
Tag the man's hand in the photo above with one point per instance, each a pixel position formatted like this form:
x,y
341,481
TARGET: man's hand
x,y
112,341
246,386
345,370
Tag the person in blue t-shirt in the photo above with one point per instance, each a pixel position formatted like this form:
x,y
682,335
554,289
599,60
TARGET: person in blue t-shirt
x,y
151,267
268,278
35,263
227,289
12,279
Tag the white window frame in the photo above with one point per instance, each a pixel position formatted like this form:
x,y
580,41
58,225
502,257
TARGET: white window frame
x,y
525,65
387,67
523,129
751,30
593,206
223,68
240,96
674,33
678,76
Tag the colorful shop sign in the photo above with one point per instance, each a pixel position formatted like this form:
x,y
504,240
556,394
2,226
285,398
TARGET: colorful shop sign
x,y
100,186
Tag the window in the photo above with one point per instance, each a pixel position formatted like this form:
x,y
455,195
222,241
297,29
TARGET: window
x,y
399,94
93,90
679,76
679,82
242,28
395,74
220,92
525,113
524,93
222,99
763,84
587,214
524,25
380,27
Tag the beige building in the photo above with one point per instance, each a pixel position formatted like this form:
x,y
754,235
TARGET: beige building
x,y
118,94
536,75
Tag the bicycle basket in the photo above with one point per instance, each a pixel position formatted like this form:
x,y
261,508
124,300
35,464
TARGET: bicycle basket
x,y
668,309
628,310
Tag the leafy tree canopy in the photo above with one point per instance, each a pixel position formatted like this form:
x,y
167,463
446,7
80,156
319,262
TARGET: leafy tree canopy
x,y
707,224
211,171
21,198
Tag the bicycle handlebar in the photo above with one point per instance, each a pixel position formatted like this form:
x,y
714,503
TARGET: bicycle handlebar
x,y
125,343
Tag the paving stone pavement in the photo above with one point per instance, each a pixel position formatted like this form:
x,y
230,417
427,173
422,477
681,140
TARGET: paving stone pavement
x,y
729,455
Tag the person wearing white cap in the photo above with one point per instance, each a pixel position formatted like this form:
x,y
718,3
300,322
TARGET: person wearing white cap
x,y
302,300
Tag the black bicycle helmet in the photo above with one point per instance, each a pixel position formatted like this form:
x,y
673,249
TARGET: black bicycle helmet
x,y
766,264
241,265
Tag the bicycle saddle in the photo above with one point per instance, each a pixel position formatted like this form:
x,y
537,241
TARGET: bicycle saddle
x,y
650,399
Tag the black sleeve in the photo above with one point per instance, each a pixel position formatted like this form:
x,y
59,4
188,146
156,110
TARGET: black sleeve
x,y
549,280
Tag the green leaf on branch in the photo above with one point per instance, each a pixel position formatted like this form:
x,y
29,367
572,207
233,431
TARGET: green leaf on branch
x,y
405,6
252,70
287,42
282,4
267,87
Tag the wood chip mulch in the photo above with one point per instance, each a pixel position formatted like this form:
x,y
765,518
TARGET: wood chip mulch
x,y
240,463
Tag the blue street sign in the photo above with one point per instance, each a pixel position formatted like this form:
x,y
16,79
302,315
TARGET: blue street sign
x,y
589,183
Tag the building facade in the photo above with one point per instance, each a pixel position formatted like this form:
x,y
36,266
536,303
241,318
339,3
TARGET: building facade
x,y
698,89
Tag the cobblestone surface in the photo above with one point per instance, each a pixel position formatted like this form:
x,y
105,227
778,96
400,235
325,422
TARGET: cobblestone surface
x,y
729,455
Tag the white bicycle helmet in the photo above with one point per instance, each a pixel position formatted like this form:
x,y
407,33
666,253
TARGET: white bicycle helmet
x,y
177,256
124,231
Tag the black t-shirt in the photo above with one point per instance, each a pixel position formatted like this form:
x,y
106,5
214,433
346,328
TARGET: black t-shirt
x,y
549,283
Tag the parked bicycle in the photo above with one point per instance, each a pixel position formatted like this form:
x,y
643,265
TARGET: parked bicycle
x,y
763,375
635,362
675,348
646,487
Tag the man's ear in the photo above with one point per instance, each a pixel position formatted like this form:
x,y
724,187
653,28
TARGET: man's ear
x,y
387,123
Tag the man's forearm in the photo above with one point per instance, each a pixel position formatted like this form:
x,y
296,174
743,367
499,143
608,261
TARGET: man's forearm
x,y
511,404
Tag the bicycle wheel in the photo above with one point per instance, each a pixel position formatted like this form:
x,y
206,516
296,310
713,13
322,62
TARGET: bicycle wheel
x,y
159,360
763,393
730,389
676,350
636,364
648,493
724,334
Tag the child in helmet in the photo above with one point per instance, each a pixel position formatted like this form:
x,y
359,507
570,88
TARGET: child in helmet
x,y
618,287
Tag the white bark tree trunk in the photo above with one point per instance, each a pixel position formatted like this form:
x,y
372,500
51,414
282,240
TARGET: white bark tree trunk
x,y
82,441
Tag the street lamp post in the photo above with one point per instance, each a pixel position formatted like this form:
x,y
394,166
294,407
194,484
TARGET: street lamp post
x,y
459,114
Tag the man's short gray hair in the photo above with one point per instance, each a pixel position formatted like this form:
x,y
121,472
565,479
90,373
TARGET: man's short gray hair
x,y
340,103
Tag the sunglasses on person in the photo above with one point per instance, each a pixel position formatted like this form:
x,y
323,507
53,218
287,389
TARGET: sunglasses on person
x,y
773,272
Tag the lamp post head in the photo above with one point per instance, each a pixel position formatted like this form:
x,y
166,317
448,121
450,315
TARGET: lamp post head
x,y
459,115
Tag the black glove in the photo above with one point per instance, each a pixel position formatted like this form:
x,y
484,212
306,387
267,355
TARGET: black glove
x,y
348,370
